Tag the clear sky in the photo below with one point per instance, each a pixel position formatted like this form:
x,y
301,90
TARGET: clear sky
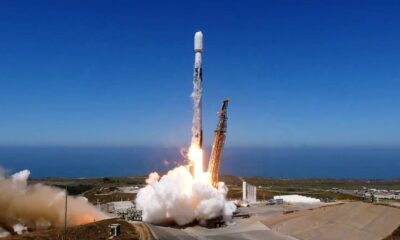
x,y
298,73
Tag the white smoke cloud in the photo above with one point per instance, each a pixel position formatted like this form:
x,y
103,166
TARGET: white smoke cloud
x,y
297,199
38,206
19,228
179,198
3,233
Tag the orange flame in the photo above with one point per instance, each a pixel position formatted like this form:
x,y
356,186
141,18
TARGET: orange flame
x,y
196,157
83,219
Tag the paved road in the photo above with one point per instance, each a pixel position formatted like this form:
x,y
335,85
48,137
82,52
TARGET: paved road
x,y
169,233
143,230
247,229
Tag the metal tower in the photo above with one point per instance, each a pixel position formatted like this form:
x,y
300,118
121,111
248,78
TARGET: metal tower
x,y
218,145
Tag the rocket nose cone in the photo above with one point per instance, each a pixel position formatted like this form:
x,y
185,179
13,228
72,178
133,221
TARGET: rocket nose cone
x,y
198,41
198,34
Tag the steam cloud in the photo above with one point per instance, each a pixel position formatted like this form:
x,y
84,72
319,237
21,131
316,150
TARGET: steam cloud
x,y
37,206
179,198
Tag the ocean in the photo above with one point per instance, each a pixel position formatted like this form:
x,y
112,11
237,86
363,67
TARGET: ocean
x,y
294,163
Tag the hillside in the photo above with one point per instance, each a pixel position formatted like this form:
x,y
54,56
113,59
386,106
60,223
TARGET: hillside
x,y
97,230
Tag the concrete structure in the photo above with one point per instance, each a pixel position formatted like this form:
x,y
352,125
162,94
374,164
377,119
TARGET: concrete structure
x,y
244,190
367,196
353,220
246,228
114,230
378,196
129,189
349,220
118,207
249,193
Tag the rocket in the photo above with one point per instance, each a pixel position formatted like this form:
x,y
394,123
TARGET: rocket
x,y
197,129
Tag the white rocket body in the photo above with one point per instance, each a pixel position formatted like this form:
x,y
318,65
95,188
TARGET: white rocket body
x,y
197,128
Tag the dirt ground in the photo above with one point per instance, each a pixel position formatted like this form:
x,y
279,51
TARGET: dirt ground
x,y
92,231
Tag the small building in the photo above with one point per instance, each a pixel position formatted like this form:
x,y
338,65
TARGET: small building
x,y
249,193
367,196
380,196
118,207
270,202
114,230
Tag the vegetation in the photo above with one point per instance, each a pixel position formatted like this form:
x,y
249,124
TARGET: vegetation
x,y
76,189
97,230
102,190
267,188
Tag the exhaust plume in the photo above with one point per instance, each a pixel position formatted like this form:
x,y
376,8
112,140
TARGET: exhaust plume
x,y
38,206
179,198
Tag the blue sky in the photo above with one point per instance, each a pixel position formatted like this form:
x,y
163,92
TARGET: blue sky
x,y
111,73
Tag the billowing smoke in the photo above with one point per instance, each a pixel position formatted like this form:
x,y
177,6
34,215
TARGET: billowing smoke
x,y
24,206
179,198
